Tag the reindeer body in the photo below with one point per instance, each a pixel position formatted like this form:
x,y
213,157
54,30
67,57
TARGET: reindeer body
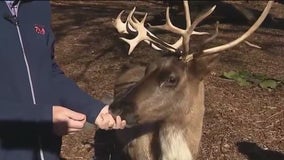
x,y
164,126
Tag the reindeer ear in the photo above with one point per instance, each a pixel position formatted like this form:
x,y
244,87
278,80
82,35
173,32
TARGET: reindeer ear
x,y
200,66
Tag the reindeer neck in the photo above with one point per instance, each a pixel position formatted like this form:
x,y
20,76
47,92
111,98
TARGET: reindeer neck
x,y
180,136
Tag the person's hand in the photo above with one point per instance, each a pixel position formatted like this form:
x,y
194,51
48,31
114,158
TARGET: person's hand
x,y
66,121
105,120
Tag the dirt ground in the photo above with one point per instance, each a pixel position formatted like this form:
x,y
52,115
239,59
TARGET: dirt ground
x,y
240,123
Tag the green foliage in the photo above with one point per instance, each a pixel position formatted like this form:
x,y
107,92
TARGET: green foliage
x,y
245,78
272,84
240,77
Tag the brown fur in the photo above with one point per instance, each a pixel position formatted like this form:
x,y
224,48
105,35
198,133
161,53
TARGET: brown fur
x,y
158,102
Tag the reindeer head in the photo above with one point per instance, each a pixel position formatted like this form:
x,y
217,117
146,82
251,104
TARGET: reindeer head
x,y
169,85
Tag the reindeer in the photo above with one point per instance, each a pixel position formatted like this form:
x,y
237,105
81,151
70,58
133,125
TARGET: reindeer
x,y
163,103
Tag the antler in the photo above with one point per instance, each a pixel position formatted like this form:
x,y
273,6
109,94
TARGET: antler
x,y
244,36
185,33
143,34
132,25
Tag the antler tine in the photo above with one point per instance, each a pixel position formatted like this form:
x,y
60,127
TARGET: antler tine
x,y
213,36
118,24
139,27
189,57
189,31
142,33
187,14
184,33
244,36
168,26
199,19
154,41
122,27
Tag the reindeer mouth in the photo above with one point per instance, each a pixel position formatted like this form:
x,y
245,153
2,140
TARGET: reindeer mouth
x,y
126,114
130,118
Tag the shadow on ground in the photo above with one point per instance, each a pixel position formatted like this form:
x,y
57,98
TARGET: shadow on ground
x,y
254,152
225,13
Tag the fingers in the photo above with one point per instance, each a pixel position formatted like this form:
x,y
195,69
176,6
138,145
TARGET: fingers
x,y
120,124
68,126
75,115
105,110
66,121
76,124
75,121
105,121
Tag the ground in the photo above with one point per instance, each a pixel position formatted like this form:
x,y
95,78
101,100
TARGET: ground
x,y
240,123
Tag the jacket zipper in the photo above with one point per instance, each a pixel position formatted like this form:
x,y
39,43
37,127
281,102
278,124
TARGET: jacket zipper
x,y
29,75
26,62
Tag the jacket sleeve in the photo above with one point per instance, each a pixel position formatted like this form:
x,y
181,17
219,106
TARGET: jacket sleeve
x,y
70,95
13,119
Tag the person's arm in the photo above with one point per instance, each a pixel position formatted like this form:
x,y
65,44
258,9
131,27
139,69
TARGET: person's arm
x,y
71,96
74,98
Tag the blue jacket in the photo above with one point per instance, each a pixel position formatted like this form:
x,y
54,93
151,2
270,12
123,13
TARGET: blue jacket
x,y
31,83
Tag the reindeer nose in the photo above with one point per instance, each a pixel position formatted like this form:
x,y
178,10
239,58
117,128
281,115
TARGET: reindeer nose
x,y
116,108
124,109
115,112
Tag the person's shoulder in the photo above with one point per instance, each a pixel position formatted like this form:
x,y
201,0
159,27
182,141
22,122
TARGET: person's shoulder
x,y
40,4
37,6
38,10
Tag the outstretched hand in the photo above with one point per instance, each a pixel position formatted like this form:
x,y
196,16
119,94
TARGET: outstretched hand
x,y
106,121
66,121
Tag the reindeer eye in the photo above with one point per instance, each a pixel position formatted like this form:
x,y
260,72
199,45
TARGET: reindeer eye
x,y
171,81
